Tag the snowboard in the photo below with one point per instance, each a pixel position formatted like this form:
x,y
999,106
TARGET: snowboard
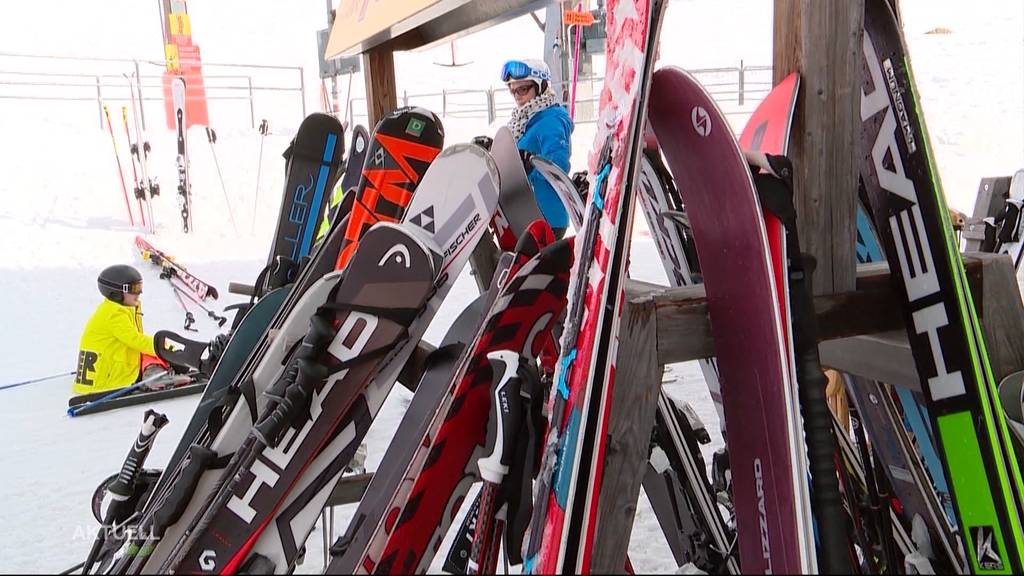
x,y
912,220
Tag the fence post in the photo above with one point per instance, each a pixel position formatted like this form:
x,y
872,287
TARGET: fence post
x,y
740,84
142,105
99,100
492,114
302,89
252,107
444,103
405,98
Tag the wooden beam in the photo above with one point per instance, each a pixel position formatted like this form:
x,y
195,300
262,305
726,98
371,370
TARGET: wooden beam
x,y
381,91
1002,313
821,39
684,328
633,403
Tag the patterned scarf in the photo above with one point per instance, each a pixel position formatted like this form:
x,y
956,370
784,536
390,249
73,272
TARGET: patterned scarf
x,y
521,116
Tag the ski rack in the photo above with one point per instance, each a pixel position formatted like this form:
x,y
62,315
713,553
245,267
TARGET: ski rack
x,y
861,332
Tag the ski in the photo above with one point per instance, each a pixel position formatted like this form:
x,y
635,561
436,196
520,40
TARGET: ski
x,y
178,94
353,169
138,189
461,190
459,221
562,534
912,221
199,288
441,472
365,318
517,207
768,485
312,164
140,150
404,143
880,415
181,386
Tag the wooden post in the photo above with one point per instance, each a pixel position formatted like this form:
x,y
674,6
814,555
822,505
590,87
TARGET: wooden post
x,y
821,39
634,401
381,93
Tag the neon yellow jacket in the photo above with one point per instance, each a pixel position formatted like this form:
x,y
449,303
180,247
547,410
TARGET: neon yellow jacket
x,y
109,354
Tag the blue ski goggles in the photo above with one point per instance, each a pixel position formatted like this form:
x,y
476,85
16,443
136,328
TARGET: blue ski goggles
x,y
518,70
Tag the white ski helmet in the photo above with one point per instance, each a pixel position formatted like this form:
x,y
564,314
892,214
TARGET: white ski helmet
x,y
535,70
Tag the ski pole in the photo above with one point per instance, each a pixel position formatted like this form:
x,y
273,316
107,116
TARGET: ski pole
x,y
212,137
189,318
264,128
34,380
141,151
133,151
120,173
122,489
74,410
213,315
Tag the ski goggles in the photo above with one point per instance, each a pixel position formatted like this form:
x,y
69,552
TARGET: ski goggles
x,y
130,288
518,70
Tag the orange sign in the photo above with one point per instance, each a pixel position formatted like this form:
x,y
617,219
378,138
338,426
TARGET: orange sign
x,y
578,18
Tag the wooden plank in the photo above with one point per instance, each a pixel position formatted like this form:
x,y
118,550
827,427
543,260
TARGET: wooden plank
x,y
684,328
1002,313
415,366
992,194
822,40
883,357
381,92
484,262
634,400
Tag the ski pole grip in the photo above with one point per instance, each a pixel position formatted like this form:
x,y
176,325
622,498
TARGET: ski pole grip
x,y
504,417
124,486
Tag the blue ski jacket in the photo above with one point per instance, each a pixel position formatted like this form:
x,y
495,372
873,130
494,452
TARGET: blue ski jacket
x,y
549,135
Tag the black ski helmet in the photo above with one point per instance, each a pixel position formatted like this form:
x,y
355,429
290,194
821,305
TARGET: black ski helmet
x,y
116,281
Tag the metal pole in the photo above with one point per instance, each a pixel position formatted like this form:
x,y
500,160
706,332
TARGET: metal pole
x,y
405,98
302,89
142,106
252,107
491,112
99,100
444,103
740,84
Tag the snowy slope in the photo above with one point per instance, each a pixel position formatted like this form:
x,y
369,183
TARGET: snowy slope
x,y
63,216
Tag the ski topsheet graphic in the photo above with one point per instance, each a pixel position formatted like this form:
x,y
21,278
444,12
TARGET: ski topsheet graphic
x,y
913,224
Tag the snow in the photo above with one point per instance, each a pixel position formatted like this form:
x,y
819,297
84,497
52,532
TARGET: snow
x,y
63,214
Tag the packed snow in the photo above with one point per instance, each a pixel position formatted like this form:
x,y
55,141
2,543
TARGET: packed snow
x,y
63,214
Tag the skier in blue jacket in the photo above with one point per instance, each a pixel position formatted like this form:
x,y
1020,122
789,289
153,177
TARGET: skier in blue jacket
x,y
541,126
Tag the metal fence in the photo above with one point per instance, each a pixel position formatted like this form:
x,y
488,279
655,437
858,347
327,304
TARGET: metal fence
x,y
735,89
95,81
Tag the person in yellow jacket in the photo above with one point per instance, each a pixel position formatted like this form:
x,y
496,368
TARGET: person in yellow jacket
x,y
114,350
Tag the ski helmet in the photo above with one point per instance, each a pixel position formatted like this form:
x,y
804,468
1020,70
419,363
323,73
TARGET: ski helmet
x,y
535,70
116,281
